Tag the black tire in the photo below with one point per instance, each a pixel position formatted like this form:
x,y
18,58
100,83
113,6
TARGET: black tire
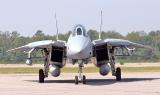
x,y
76,79
118,74
41,76
84,79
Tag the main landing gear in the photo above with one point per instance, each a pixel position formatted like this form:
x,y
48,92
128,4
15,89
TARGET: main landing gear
x,y
41,76
43,73
82,78
116,71
118,74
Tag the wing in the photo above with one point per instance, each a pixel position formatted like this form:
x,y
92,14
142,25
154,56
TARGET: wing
x,y
125,43
121,43
38,45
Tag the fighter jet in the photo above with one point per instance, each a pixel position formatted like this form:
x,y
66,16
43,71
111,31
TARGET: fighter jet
x,y
79,49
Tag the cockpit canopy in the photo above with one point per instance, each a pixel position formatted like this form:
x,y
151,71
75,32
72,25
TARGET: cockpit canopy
x,y
79,30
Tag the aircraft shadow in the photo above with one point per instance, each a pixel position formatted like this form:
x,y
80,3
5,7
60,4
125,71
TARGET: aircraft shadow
x,y
112,81
99,81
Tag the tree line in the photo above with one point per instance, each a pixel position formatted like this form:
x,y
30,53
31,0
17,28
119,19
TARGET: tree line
x,y
9,40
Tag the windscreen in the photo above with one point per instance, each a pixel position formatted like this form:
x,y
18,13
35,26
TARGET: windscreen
x,y
79,31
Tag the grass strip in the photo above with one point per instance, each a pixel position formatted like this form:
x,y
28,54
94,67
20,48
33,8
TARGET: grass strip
x,y
19,70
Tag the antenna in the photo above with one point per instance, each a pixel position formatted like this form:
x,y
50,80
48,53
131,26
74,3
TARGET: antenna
x,y
101,23
56,25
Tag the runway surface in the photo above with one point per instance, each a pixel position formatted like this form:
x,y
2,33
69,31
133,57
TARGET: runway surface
x,y
131,84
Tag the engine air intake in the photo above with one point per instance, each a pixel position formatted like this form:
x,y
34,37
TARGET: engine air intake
x,y
57,54
101,53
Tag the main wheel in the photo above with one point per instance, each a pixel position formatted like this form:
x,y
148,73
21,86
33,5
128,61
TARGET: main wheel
x,y
76,79
84,79
118,74
41,76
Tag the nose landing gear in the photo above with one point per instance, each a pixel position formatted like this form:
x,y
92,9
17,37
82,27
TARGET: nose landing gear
x,y
82,78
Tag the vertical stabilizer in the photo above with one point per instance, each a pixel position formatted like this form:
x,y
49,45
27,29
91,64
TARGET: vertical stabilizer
x,y
56,26
101,23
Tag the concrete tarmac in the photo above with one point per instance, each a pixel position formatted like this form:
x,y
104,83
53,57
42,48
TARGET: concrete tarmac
x,y
131,84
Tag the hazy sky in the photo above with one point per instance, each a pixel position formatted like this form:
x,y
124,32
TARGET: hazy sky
x,y
28,16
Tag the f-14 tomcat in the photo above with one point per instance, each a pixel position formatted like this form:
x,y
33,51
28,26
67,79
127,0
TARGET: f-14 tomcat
x,y
80,49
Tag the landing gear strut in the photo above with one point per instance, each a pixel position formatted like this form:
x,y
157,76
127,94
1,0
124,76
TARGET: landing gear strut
x,y
82,78
115,71
43,73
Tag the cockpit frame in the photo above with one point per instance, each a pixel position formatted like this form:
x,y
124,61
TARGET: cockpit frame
x,y
79,30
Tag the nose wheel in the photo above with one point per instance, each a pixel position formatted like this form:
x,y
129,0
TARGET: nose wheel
x,y
80,78
83,80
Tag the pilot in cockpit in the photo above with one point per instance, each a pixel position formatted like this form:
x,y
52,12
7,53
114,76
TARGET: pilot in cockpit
x,y
79,30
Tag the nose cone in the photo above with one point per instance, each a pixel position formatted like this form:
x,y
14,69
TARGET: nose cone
x,y
77,49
